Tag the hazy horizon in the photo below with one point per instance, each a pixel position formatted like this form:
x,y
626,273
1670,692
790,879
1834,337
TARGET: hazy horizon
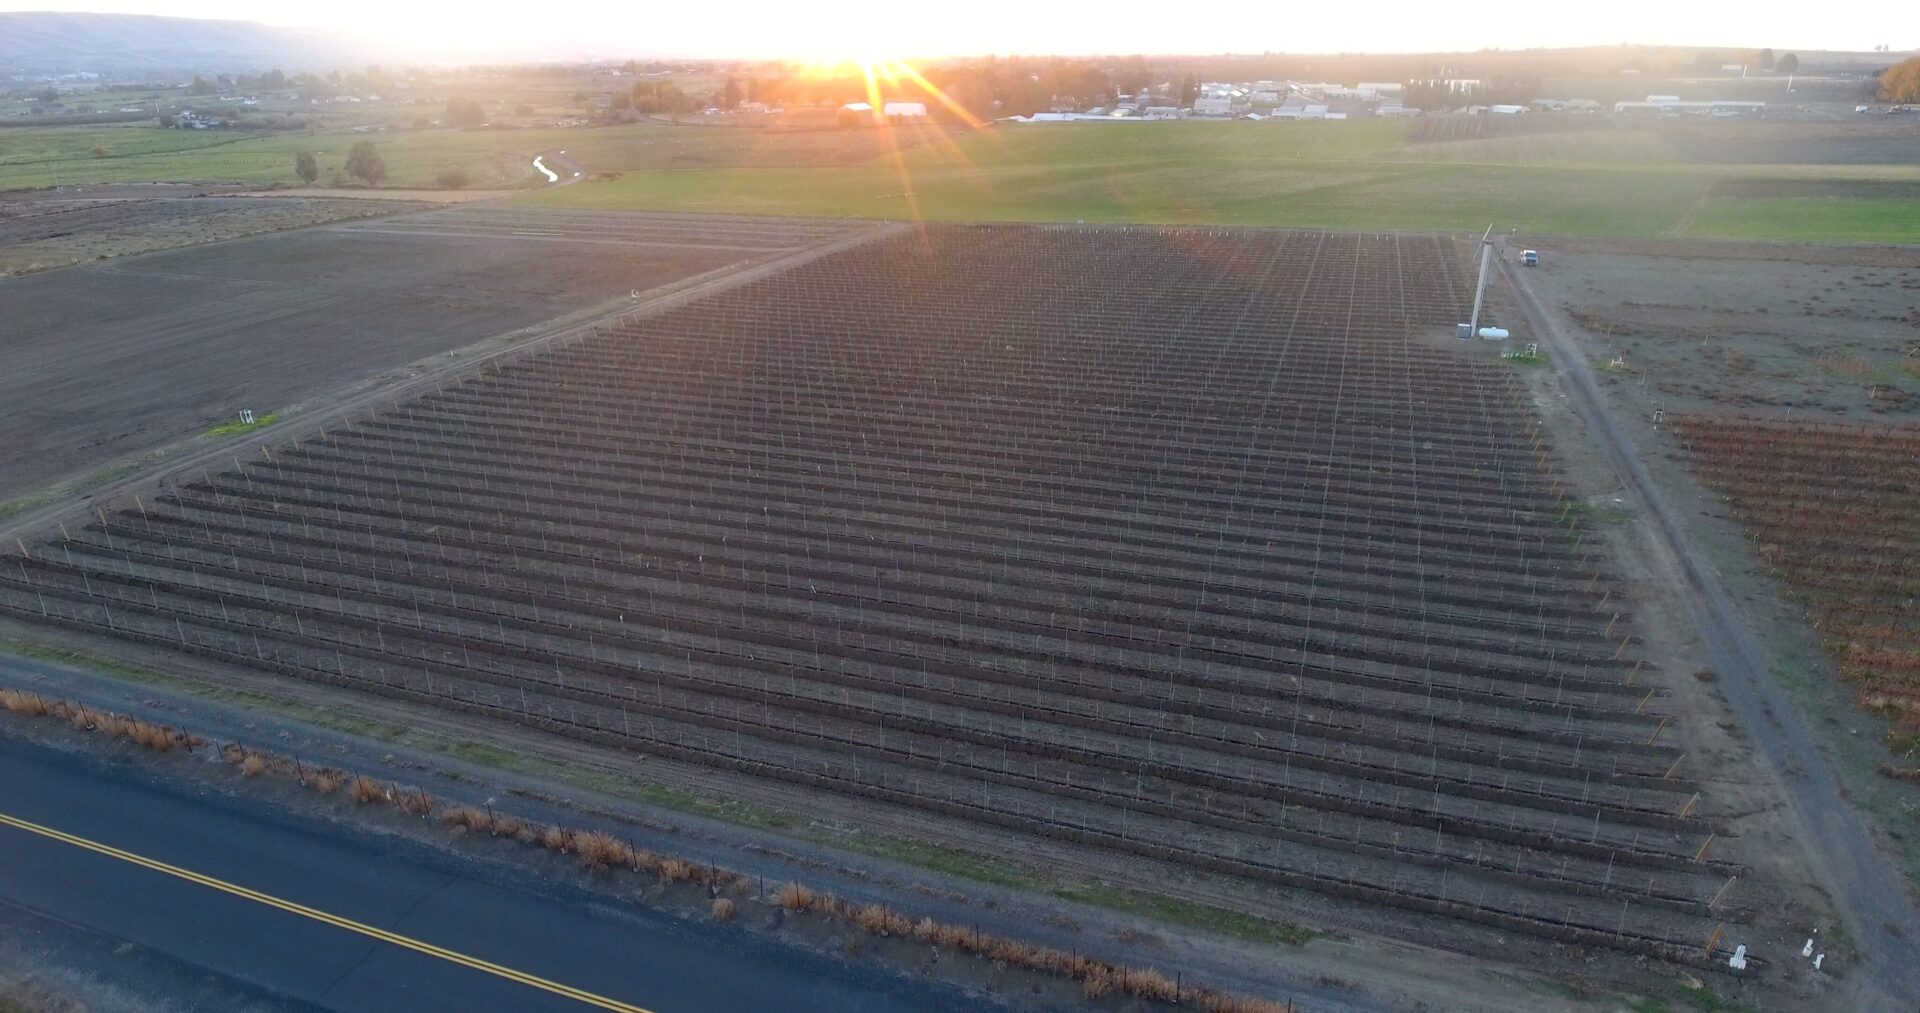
x,y
754,29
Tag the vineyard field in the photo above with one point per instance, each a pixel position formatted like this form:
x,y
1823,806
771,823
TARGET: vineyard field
x,y
1834,510
1199,549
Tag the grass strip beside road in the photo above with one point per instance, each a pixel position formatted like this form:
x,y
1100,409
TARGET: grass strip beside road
x,y
993,870
237,427
315,914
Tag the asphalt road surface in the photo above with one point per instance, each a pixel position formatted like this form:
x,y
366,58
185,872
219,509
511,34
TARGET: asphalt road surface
x,y
168,889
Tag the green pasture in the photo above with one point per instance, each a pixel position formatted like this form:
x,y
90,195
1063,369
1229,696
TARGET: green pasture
x,y
1333,175
1810,219
62,157
1362,174
21,147
1356,175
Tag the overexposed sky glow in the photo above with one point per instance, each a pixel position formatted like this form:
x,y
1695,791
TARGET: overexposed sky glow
x,y
830,29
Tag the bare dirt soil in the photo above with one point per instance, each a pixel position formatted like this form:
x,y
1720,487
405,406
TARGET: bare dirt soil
x,y
1863,141
1780,334
379,194
113,359
42,231
1770,329
1744,795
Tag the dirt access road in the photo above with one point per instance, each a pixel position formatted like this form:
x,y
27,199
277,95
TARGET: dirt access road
x,y
1843,847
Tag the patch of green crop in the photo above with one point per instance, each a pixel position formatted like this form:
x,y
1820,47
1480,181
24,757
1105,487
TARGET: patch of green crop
x,y
237,427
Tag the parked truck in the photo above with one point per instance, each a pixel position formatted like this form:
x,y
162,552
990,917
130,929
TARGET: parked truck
x,y
1529,258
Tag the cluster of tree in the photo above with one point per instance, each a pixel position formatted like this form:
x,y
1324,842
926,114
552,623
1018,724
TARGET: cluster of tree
x,y
254,119
272,80
372,81
1763,60
655,67
1901,82
649,97
1445,94
1711,60
364,163
1437,96
465,113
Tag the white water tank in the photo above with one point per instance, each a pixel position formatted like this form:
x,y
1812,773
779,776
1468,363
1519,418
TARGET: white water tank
x,y
1493,333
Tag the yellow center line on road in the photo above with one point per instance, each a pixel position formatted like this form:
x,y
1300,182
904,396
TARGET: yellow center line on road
x,y
315,914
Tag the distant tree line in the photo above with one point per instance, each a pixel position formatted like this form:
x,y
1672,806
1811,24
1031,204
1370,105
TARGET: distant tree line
x,y
465,113
984,88
1443,95
650,97
1901,82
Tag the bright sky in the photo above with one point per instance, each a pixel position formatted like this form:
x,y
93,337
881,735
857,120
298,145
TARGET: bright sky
x,y
833,29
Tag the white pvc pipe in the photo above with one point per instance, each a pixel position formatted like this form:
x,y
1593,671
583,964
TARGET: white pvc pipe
x,y
1480,287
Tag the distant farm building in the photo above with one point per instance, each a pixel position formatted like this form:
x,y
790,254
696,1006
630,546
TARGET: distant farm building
x,y
855,114
1674,107
1297,108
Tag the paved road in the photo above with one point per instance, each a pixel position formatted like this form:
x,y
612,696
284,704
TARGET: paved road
x,y
295,913
1865,882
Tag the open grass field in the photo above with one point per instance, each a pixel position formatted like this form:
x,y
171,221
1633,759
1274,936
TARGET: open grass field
x,y
1601,179
1836,219
21,147
1362,175
61,157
